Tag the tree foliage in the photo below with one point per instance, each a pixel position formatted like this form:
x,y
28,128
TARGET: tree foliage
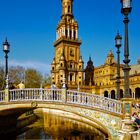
x,y
16,75
33,78
30,77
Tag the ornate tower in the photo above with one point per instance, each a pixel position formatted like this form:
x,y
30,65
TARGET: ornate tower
x,y
89,73
67,62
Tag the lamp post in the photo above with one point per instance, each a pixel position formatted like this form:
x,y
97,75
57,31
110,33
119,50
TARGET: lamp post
x,y
128,127
118,40
126,9
6,49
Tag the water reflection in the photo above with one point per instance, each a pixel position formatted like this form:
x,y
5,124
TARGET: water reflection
x,y
52,126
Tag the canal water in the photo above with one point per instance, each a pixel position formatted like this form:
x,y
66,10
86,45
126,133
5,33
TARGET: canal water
x,y
55,125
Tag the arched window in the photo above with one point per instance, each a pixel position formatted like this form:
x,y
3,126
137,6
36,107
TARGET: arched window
x,y
106,94
74,35
66,33
71,75
70,65
69,9
130,92
137,93
121,93
70,34
112,94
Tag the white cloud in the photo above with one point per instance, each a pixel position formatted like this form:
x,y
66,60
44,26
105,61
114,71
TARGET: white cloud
x,y
44,68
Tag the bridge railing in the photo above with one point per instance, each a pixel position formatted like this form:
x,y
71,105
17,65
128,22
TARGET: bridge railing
x,y
93,100
2,96
64,96
35,94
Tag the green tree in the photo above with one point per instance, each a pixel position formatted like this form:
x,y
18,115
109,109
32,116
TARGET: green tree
x,y
16,75
33,78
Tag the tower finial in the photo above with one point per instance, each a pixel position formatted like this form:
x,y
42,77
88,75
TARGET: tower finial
x,y
67,7
90,57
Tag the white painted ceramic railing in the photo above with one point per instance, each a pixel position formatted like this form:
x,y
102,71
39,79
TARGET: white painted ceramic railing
x,y
63,96
35,94
95,101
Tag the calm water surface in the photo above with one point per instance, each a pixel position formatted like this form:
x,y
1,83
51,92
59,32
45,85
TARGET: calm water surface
x,y
52,126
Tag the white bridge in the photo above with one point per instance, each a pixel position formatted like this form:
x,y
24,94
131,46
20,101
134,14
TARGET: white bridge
x,y
64,96
103,113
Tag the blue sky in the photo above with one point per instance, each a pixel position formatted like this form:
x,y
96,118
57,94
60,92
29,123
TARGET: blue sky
x,y
30,28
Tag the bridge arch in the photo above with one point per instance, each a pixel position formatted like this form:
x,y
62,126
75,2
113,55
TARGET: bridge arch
x,y
91,116
80,114
87,120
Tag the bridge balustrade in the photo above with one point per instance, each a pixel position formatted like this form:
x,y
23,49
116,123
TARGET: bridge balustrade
x,y
64,96
93,100
35,95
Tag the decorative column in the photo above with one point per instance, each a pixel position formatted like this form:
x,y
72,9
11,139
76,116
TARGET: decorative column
x,y
64,31
72,33
6,49
127,102
68,32
128,127
76,32
118,39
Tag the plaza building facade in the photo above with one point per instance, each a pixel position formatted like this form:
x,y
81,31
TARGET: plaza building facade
x,y
67,65
104,79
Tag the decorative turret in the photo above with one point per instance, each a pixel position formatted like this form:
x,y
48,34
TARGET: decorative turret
x,y
90,63
67,8
67,27
53,62
89,73
110,59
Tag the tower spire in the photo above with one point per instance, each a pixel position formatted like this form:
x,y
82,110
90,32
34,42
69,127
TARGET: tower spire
x,y
67,27
67,8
